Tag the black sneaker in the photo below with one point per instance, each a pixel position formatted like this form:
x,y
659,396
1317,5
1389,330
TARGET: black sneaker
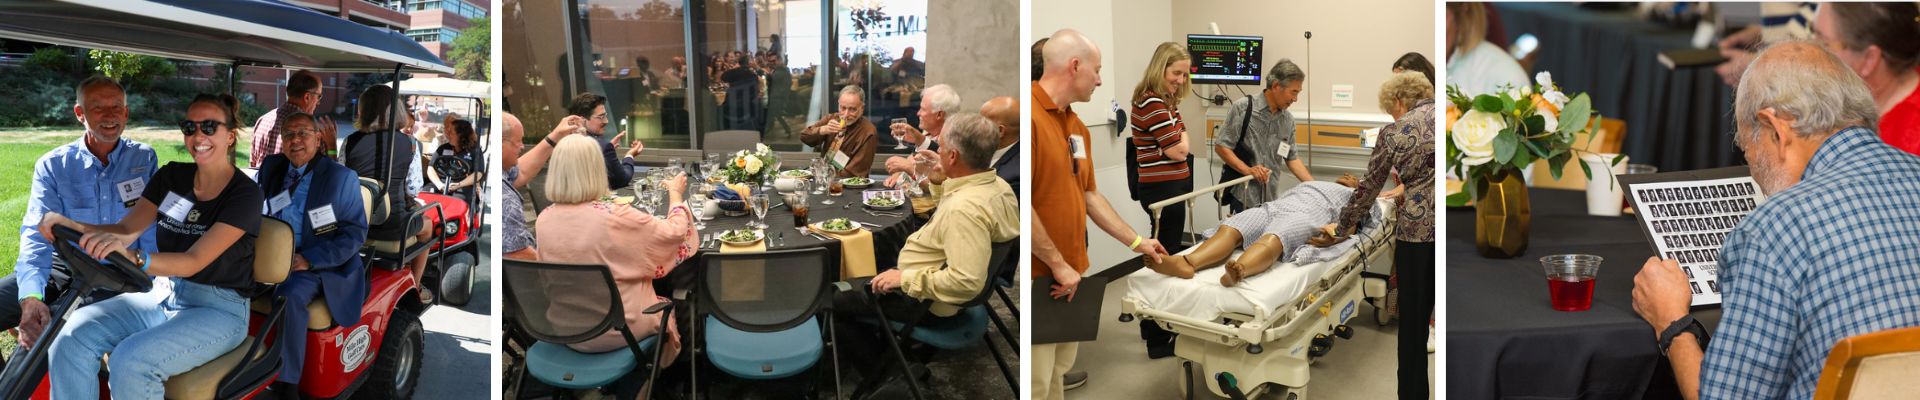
x,y
1074,380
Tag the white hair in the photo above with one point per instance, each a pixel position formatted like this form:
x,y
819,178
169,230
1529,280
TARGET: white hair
x,y
942,97
1816,90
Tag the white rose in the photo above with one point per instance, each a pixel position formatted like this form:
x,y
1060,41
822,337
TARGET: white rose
x,y
1473,134
753,165
1558,99
1545,79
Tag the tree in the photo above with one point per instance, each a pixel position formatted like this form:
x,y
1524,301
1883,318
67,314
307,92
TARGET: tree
x,y
473,51
133,70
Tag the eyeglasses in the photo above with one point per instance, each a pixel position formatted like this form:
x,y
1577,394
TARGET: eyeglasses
x,y
205,127
602,117
300,133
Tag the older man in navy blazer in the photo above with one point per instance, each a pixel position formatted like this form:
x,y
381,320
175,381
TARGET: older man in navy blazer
x,y
320,199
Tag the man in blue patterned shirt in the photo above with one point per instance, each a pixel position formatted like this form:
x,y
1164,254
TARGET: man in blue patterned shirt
x,y
93,180
1834,253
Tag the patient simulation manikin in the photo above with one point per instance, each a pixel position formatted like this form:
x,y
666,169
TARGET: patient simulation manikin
x,y
1266,231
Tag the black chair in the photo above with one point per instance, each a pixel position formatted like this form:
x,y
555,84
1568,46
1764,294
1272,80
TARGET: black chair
x,y
757,315
948,333
536,291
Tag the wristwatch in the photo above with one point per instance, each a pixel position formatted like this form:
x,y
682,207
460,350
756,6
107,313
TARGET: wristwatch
x,y
551,143
1684,324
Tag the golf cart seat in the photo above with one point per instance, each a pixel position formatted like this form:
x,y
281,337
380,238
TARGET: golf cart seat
x,y
390,254
225,376
318,316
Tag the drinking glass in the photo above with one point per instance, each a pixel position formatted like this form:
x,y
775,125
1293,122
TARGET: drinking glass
x,y
899,140
797,201
1570,279
758,202
674,167
698,205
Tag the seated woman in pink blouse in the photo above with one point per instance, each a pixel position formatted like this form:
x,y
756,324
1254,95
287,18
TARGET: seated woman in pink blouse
x,y
638,247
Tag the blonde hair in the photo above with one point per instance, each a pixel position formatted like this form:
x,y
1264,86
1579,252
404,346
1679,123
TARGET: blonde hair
x,y
576,173
1405,88
1472,21
1155,79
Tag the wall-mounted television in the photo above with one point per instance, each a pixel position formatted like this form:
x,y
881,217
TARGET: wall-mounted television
x,y
1225,59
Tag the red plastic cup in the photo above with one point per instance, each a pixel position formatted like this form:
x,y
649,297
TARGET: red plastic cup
x,y
1570,279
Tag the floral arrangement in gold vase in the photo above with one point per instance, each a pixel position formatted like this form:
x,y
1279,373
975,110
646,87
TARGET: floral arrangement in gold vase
x,y
1492,138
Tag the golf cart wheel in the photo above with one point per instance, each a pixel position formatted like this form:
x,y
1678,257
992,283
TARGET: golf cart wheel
x,y
456,286
396,369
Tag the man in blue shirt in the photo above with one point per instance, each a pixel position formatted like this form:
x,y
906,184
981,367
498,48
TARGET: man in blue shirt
x,y
320,200
94,180
1832,253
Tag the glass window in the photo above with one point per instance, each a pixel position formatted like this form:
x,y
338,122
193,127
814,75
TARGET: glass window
x,y
881,48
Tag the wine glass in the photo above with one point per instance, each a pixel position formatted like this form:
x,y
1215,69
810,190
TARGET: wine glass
x,y
643,200
698,205
675,167
899,139
759,203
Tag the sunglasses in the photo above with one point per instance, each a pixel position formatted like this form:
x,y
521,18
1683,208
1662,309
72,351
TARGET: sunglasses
x,y
187,127
290,133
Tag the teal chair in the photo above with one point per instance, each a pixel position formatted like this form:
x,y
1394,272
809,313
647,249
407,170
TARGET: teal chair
x,y
954,332
759,316
535,289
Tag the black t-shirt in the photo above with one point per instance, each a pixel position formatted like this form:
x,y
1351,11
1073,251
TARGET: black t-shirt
x,y
183,218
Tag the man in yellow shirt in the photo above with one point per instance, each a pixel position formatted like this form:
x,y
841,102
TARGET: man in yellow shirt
x,y
946,260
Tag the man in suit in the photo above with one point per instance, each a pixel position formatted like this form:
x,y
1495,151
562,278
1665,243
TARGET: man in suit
x,y
1005,113
320,199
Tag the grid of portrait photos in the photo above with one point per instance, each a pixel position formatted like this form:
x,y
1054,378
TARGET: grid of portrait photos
x,y
1688,221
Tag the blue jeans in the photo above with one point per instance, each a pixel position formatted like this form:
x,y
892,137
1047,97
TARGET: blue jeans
x,y
164,332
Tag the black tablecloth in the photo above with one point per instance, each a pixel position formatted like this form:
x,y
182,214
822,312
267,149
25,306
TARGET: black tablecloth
x,y
887,239
1676,119
1504,340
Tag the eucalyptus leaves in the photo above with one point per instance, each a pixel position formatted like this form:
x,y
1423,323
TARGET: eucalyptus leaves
x,y
1491,134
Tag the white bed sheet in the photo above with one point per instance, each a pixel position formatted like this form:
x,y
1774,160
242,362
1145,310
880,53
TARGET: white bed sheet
x,y
1204,298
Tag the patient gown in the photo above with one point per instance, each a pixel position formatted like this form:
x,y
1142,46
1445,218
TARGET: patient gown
x,y
1294,217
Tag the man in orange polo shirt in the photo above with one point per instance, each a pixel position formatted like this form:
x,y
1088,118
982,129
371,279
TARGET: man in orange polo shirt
x,y
1064,196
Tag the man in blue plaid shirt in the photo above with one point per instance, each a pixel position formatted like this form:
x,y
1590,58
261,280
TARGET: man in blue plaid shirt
x,y
1834,253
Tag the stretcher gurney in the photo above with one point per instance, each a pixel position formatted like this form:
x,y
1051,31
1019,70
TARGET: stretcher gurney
x,y
1261,331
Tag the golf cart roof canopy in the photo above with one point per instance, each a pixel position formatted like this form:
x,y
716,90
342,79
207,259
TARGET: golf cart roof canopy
x,y
247,32
446,87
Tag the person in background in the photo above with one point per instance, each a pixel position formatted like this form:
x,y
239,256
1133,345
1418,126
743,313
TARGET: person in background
x,y
636,246
1473,64
462,143
1005,113
907,68
592,109
377,134
1162,149
1406,146
1881,43
1792,289
846,139
303,96
95,179
936,103
1039,66
304,189
1064,195
1268,130
1414,61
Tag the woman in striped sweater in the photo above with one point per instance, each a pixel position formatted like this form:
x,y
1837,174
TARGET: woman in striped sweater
x,y
1160,149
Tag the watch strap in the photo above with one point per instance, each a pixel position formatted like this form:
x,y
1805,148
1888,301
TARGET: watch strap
x,y
1684,324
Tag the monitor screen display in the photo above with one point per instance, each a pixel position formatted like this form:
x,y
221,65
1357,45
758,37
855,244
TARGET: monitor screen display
x,y
1225,59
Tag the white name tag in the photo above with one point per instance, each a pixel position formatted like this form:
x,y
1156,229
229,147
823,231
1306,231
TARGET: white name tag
x,y
840,159
321,218
1284,149
176,207
1078,146
130,190
278,202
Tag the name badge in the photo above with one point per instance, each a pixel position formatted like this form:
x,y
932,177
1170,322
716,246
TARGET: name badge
x,y
321,218
130,190
176,207
1077,146
281,201
840,159
1284,150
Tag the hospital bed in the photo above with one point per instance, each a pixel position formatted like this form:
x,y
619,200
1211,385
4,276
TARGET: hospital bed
x,y
1260,331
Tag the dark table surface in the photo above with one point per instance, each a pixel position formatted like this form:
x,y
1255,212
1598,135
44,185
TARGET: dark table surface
x,y
888,238
1504,339
1676,119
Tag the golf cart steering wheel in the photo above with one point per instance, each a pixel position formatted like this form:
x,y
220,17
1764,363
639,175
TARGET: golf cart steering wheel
x,y
118,274
451,168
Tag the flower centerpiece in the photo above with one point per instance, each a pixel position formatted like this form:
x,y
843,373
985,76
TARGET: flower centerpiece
x,y
1492,137
748,169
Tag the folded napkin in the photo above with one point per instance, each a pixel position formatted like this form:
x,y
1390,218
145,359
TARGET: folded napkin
x,y
729,199
856,252
745,280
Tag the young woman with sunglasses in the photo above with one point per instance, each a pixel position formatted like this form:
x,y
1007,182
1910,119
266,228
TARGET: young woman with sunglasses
x,y
207,216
